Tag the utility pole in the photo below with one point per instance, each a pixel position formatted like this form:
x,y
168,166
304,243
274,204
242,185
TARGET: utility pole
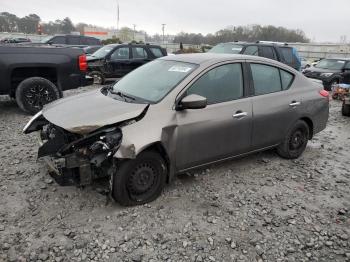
x,y
134,31
163,28
117,16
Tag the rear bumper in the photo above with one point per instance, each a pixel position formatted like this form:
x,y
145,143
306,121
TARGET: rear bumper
x,y
75,81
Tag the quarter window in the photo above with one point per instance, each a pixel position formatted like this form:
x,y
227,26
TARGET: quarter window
x,y
221,84
139,53
266,79
121,53
286,79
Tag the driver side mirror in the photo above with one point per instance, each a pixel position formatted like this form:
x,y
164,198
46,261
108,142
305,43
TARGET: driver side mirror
x,y
192,101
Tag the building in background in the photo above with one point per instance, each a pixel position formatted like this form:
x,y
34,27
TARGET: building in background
x,y
124,34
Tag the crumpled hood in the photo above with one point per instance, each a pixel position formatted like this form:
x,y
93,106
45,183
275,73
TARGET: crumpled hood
x,y
87,112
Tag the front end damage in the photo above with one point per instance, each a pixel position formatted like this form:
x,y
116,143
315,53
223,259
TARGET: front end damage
x,y
74,158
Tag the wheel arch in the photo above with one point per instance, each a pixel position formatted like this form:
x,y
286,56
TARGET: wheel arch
x,y
160,148
310,124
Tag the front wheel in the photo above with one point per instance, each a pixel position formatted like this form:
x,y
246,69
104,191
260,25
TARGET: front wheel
x,y
141,180
295,141
99,78
34,92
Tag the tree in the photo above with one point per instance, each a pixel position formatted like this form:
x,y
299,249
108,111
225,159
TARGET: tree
x,y
67,26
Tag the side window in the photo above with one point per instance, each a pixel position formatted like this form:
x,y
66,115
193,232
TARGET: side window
x,y
58,40
251,50
121,53
268,52
266,79
73,40
286,79
156,51
287,54
139,53
221,84
91,41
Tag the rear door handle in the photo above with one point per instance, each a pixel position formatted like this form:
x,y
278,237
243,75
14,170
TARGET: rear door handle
x,y
240,114
295,103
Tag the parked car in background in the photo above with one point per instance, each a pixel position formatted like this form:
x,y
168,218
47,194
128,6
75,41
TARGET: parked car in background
x,y
282,53
72,40
304,63
15,40
116,60
178,113
329,71
35,75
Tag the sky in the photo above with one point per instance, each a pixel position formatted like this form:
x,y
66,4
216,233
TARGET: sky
x,y
321,20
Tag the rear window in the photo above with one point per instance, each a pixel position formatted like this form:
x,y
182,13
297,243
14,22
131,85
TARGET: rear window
x,y
156,51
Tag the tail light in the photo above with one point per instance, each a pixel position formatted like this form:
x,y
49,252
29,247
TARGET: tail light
x,y
324,93
82,63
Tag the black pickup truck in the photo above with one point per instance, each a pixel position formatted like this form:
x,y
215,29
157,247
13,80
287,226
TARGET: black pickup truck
x,y
37,75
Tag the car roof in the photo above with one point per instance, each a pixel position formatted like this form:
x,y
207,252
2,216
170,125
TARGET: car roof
x,y
201,58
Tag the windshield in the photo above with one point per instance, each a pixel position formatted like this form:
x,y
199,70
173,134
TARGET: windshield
x,y
45,39
227,48
153,81
333,64
103,51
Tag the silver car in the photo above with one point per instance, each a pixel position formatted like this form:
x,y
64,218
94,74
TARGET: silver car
x,y
175,114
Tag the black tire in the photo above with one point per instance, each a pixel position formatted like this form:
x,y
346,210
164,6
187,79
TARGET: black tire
x,y
345,109
140,180
295,141
34,92
99,78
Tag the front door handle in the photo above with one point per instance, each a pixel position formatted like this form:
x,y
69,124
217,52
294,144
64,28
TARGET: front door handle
x,y
294,103
240,115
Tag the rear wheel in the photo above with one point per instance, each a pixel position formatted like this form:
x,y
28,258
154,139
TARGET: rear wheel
x,y
334,83
345,109
35,92
295,141
141,180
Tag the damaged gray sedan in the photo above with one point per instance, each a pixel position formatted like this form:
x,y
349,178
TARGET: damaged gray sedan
x,y
175,114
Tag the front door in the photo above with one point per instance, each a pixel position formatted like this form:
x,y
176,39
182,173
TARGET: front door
x,y
119,62
223,128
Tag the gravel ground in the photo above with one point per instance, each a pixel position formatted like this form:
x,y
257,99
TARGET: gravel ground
x,y
258,208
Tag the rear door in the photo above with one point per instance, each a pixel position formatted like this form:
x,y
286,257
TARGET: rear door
x,y
276,106
223,128
139,56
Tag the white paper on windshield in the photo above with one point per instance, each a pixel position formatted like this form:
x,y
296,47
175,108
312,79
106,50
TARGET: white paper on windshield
x,y
181,69
236,49
342,62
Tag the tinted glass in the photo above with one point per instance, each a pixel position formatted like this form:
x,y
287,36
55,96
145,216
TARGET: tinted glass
x,y
223,83
266,79
287,54
73,40
156,52
138,53
226,48
121,53
347,66
58,40
154,80
268,52
286,79
251,50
